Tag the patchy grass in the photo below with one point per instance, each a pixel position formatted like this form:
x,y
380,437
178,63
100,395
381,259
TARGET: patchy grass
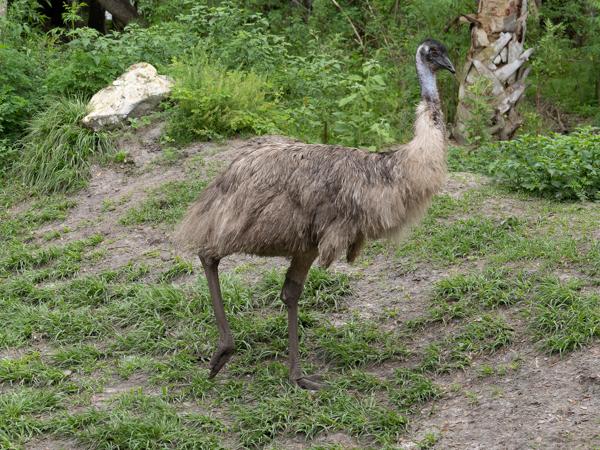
x,y
138,420
358,343
323,290
448,243
564,318
117,358
485,334
164,204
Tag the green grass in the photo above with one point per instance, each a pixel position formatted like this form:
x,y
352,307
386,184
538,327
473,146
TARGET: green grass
x,y
445,243
19,414
58,150
485,334
323,290
564,318
411,389
165,204
358,343
72,333
137,421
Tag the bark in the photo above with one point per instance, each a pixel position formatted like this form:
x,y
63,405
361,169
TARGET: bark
x,y
3,7
96,16
122,10
53,10
497,53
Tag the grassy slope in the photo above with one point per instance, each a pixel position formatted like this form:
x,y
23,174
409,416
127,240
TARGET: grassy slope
x,y
115,355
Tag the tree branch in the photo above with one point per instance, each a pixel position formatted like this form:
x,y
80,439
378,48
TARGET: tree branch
x,y
356,33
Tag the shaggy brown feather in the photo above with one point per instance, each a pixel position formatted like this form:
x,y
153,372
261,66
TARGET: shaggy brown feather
x,y
282,198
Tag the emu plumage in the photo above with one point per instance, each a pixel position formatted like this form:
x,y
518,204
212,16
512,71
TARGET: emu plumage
x,y
285,198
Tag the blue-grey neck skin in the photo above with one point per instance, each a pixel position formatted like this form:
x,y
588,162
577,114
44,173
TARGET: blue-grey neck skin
x,y
427,80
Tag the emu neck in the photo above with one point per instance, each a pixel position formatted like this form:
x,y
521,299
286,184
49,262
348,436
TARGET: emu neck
x,y
429,91
429,125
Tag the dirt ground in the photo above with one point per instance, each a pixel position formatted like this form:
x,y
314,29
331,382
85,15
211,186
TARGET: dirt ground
x,y
545,403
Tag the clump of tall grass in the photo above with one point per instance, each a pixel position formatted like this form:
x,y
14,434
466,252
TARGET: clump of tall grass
x,y
57,149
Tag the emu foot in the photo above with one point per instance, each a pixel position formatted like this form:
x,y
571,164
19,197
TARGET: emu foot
x,y
220,358
309,382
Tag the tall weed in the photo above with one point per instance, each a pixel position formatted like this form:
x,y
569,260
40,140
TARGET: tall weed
x,y
57,149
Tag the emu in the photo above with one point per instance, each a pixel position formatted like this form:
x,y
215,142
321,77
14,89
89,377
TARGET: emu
x,y
286,198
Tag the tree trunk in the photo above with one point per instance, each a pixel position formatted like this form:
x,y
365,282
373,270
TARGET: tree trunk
x,y
96,16
121,10
3,7
497,55
53,10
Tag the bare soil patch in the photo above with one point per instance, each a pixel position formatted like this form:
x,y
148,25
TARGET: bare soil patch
x,y
548,403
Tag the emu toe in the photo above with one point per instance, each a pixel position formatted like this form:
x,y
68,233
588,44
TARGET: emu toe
x,y
219,359
311,383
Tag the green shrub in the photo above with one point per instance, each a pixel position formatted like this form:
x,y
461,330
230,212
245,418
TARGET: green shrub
x,y
565,167
213,102
21,88
90,60
237,37
57,149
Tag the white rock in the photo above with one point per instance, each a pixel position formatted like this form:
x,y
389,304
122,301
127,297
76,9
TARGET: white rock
x,y
135,93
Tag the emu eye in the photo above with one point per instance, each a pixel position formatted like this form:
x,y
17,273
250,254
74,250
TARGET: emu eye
x,y
434,52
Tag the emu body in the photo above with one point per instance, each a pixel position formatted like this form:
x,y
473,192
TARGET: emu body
x,y
284,198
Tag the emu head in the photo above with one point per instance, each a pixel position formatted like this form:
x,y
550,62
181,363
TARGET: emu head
x,y
434,55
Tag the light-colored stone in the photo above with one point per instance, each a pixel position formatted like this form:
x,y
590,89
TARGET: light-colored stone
x,y
135,93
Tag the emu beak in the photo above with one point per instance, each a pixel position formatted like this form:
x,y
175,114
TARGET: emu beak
x,y
447,64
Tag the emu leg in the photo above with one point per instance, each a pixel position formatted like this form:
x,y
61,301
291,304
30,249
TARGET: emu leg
x,y
225,346
290,294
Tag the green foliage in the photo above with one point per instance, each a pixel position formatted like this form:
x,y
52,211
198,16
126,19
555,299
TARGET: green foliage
x,y
9,154
478,101
236,36
22,62
213,102
357,121
565,167
91,61
57,150
465,159
566,37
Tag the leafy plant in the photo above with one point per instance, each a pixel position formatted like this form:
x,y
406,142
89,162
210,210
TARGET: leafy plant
x,y
478,101
357,121
566,167
213,102
20,86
